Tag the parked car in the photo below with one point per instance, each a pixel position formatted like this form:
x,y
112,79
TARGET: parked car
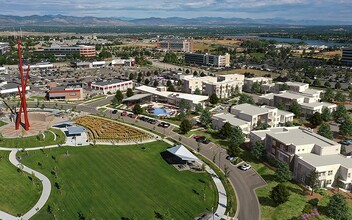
x,y
161,124
152,121
114,112
230,158
206,141
196,136
123,113
244,167
166,125
334,123
131,115
201,139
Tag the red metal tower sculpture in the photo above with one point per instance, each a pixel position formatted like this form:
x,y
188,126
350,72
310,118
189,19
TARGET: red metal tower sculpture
x,y
22,92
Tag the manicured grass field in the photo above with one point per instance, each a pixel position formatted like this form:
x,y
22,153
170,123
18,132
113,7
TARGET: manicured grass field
x,y
34,141
2,123
255,72
107,182
17,193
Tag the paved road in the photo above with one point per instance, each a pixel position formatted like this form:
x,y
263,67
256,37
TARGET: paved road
x,y
244,182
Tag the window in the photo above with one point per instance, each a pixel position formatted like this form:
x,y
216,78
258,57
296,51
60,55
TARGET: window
x,y
328,182
329,172
349,175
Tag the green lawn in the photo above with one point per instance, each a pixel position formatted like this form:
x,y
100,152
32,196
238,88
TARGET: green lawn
x,y
17,193
34,141
107,182
2,123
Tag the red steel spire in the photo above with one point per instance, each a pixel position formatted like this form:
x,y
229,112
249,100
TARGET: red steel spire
x,y
22,92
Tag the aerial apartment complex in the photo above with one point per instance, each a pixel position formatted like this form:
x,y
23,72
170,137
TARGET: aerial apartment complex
x,y
208,59
176,45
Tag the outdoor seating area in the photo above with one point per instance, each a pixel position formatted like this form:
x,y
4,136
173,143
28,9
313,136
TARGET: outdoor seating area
x,y
101,129
182,159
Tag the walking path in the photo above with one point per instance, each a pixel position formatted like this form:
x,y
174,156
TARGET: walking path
x,y
44,196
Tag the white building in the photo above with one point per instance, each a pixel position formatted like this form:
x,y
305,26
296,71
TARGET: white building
x,y
248,82
304,151
111,86
160,94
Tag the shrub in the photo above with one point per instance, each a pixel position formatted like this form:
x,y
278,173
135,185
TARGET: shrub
x,y
308,208
314,202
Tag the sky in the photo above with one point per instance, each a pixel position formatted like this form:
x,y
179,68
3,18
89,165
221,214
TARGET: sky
x,y
338,10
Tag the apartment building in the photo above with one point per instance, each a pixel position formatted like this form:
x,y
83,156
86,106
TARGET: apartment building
x,y
248,117
208,59
223,89
248,82
256,115
304,151
231,77
277,87
176,45
190,84
218,120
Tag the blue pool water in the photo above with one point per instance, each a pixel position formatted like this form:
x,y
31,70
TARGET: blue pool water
x,y
160,111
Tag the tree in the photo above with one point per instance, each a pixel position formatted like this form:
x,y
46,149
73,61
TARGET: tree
x,y
327,84
312,180
213,99
346,127
131,76
337,207
325,131
233,151
146,81
317,82
255,87
202,74
137,109
328,95
187,71
258,150
280,105
338,85
195,73
284,87
198,108
289,124
280,194
197,91
226,130
185,126
171,88
262,126
117,98
326,114
236,136
315,119
184,106
296,109
341,112
156,83
129,92
340,97
283,173
246,99
205,117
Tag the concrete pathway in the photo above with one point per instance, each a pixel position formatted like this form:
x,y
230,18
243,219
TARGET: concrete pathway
x,y
43,198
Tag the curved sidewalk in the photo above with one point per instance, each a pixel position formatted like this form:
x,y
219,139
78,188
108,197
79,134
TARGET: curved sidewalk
x,y
43,197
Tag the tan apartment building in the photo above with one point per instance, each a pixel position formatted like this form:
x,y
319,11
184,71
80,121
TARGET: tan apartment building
x,y
304,151
190,84
248,82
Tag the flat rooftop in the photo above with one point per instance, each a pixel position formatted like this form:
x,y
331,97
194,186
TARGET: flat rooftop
x,y
232,119
317,104
326,160
293,83
167,94
300,136
290,95
251,109
109,82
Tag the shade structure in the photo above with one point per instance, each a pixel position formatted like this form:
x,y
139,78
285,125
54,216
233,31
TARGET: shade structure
x,y
182,152
75,130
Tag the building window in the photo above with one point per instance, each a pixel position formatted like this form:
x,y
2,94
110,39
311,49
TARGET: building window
x,y
329,172
328,182
349,175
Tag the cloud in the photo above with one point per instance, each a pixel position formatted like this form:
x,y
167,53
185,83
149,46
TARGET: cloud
x,y
290,9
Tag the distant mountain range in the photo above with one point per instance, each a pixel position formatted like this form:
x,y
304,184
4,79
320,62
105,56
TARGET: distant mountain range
x,y
61,20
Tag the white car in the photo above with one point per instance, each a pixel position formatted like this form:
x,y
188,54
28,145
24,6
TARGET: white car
x,y
244,166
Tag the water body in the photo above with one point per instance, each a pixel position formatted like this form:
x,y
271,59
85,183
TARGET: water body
x,y
309,42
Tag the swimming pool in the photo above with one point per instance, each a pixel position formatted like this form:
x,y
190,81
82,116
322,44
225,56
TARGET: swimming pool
x,y
160,111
